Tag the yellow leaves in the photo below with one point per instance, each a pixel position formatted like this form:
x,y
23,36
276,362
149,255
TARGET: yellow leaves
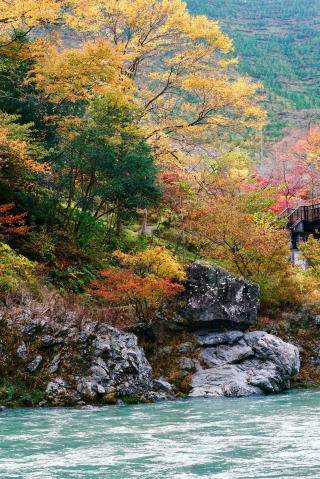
x,y
155,261
174,65
310,250
29,12
14,152
80,74
18,16
178,65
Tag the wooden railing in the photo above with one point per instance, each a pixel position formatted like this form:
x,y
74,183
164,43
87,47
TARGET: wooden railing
x,y
308,213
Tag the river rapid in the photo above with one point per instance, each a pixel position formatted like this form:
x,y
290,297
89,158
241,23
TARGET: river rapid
x,y
261,438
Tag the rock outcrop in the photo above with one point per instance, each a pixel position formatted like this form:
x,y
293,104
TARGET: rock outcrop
x,y
243,364
73,361
217,300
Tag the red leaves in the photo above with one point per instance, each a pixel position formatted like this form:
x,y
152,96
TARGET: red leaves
x,y
145,295
123,284
294,167
12,224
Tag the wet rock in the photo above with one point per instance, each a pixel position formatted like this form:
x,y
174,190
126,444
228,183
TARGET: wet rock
x,y
225,354
187,364
58,385
50,341
97,358
35,326
155,396
59,392
259,363
162,384
225,380
217,300
98,389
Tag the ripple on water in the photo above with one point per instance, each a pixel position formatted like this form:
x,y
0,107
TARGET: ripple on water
x,y
252,438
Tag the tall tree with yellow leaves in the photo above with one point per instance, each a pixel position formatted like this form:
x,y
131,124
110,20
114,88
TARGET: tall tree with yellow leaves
x,y
186,85
19,17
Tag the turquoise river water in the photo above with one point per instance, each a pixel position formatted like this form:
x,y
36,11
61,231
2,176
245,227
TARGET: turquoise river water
x,y
260,438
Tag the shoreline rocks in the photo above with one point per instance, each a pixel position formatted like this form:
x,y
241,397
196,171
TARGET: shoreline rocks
x,y
253,364
83,362
77,361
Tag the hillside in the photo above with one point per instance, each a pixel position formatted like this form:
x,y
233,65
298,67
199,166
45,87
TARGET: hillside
x,y
277,42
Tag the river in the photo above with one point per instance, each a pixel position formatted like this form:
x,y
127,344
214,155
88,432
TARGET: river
x,y
260,438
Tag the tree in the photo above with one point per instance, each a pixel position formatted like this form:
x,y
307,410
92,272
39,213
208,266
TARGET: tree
x,y
145,295
78,74
235,227
153,261
185,83
310,251
104,167
307,149
293,166
146,285
19,17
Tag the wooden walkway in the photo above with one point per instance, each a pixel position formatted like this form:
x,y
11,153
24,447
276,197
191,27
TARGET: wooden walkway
x,y
308,215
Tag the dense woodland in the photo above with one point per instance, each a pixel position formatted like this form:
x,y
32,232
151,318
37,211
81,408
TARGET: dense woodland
x,y
131,145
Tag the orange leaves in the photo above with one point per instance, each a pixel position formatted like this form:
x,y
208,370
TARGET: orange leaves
x,y
10,223
14,152
18,154
145,295
309,146
145,284
124,285
237,230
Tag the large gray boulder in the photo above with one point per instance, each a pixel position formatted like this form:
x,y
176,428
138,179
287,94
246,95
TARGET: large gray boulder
x,y
255,363
217,300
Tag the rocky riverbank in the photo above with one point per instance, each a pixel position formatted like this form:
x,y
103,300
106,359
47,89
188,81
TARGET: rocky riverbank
x,y
54,357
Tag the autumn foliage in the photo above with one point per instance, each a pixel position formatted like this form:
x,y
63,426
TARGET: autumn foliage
x,y
12,224
115,113
293,167
153,261
145,295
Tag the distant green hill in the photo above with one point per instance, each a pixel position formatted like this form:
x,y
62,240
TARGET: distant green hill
x,y
277,42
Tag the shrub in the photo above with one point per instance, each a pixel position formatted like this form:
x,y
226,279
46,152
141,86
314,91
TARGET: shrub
x,y
15,270
158,261
145,295
40,245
